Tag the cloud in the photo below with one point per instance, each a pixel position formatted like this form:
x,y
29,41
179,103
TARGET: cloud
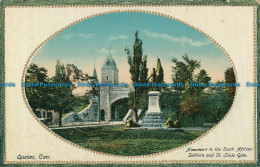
x,y
118,37
78,35
106,51
182,39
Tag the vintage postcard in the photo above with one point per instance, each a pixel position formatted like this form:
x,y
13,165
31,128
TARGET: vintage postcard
x,y
129,82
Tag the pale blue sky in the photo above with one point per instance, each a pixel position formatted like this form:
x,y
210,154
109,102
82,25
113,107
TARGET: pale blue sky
x,y
162,37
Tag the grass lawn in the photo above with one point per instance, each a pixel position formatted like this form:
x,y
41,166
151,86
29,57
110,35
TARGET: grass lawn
x,y
120,141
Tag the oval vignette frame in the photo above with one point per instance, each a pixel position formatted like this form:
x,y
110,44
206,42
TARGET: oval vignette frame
x,y
118,11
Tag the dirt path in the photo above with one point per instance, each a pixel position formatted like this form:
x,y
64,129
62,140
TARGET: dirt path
x,y
87,124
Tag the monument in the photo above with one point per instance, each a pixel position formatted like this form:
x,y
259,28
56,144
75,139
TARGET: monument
x,y
153,117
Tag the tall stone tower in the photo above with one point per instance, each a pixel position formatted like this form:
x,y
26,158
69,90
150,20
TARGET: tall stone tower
x,y
109,74
109,71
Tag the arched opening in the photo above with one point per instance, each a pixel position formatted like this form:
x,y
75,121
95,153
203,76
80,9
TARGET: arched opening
x,y
102,115
119,109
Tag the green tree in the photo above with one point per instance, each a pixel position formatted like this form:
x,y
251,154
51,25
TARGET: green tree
x,y
36,95
183,72
75,74
170,103
159,72
217,102
202,77
56,98
191,97
63,99
62,96
230,78
138,70
191,105
143,91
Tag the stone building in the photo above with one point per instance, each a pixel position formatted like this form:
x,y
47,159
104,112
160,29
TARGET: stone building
x,y
109,95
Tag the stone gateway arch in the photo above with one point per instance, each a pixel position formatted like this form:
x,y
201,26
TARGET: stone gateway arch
x,y
108,95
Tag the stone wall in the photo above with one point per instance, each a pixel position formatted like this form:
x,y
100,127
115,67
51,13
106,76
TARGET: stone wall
x,y
109,76
89,114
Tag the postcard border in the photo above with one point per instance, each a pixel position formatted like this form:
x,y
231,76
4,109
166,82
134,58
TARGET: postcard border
x,y
256,55
2,80
116,11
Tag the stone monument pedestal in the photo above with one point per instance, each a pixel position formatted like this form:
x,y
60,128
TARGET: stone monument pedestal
x,y
153,117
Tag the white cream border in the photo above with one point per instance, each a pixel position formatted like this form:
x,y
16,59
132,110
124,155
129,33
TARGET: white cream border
x,y
26,28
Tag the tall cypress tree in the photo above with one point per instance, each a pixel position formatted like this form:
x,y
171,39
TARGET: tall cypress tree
x,y
138,69
159,72
230,78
